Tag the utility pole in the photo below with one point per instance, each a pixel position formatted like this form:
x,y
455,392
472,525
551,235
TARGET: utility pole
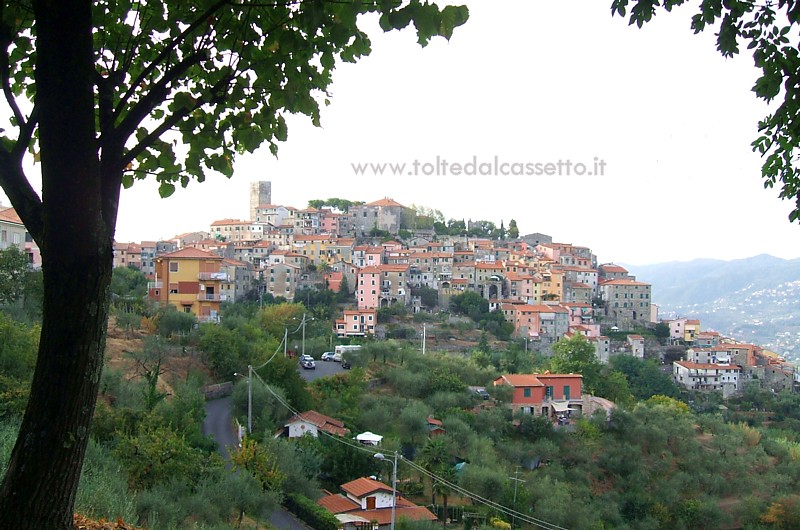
x,y
423,339
516,483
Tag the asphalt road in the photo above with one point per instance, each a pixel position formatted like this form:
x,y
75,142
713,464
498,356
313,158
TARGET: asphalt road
x,y
323,368
219,424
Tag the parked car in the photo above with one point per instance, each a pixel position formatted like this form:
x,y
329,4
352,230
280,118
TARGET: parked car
x,y
482,393
346,365
306,357
308,365
327,356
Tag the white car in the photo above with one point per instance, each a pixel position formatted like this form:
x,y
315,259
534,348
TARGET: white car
x,y
328,356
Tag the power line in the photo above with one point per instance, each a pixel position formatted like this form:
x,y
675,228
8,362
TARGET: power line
x,y
540,523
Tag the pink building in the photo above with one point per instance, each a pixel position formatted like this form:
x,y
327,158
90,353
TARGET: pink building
x,y
368,289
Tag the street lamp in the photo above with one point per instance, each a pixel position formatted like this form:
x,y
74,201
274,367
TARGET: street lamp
x,y
249,397
381,456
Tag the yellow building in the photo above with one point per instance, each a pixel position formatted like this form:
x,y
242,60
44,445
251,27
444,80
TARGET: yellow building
x,y
191,280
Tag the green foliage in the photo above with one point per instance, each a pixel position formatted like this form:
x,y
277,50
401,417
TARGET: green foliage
x,y
575,355
128,283
215,502
645,378
14,266
534,428
342,463
156,455
343,205
282,372
18,346
766,29
103,490
477,308
261,463
268,412
172,322
513,230
311,513
428,296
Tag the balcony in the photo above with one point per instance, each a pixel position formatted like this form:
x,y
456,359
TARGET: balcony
x,y
208,297
214,276
155,285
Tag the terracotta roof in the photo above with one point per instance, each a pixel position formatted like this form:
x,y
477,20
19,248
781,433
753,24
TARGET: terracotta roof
x,y
230,222
370,270
624,281
520,380
321,421
10,215
361,487
610,267
636,337
383,516
191,253
386,201
708,366
402,267
338,503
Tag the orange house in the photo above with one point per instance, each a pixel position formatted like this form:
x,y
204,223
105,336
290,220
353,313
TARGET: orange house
x,y
544,394
190,279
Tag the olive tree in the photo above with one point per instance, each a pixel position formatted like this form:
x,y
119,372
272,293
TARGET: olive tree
x,y
99,94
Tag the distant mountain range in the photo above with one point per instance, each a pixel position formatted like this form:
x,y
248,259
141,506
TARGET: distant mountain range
x,y
753,299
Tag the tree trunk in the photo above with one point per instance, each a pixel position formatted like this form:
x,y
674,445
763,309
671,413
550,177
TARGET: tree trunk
x,y
38,491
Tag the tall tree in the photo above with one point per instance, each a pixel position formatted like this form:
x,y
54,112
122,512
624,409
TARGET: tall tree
x,y
111,87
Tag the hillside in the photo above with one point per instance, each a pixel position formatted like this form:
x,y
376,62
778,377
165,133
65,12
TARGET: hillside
x,y
755,299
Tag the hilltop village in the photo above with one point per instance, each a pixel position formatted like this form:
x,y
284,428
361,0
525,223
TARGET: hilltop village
x,y
383,254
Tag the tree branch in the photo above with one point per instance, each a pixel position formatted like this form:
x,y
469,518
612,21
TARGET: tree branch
x,y
155,96
20,192
167,51
5,75
173,119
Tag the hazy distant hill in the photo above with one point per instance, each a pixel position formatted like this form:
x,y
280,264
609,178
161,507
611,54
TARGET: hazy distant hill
x,y
755,299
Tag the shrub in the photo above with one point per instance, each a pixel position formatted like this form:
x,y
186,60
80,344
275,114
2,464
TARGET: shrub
x,y
309,512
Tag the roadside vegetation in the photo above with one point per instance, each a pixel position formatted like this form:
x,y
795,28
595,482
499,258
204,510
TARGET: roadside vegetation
x,y
662,459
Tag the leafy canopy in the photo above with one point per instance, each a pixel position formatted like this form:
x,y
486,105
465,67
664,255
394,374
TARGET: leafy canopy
x,y
765,27
218,76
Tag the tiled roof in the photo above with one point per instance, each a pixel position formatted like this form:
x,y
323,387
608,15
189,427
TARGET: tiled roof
x,y
610,267
338,504
708,366
520,380
625,281
386,201
322,422
191,253
361,487
10,216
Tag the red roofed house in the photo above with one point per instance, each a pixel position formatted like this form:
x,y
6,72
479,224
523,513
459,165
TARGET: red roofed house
x,y
311,422
627,301
385,214
707,377
544,394
636,344
366,503
190,279
357,323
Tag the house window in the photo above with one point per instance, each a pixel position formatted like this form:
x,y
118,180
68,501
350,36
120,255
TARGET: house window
x,y
566,391
173,266
548,392
526,392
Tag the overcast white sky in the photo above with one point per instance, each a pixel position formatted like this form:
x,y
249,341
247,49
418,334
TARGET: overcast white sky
x,y
530,81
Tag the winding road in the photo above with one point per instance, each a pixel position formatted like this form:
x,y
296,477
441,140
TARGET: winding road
x,y
219,425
